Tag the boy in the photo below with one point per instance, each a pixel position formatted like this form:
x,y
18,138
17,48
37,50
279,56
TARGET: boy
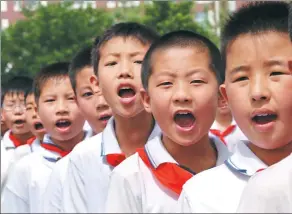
x,y
181,74
117,59
63,122
225,127
270,190
94,109
13,110
256,49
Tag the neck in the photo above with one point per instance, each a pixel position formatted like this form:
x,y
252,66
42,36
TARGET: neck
x,y
68,145
40,137
271,156
198,156
23,137
223,121
133,133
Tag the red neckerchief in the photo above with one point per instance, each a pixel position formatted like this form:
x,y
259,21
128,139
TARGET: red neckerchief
x,y
115,159
17,142
223,134
170,175
55,148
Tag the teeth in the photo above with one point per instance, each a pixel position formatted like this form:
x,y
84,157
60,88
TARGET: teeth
x,y
126,88
62,121
183,112
262,115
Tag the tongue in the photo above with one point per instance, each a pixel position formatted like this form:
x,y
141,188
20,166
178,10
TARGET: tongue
x,y
184,121
265,119
127,93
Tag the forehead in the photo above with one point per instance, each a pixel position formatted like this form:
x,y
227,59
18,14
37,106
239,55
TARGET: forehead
x,y
181,58
125,45
14,96
30,98
257,48
53,85
83,76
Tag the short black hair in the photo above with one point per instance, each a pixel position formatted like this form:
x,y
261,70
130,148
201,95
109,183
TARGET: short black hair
x,y
140,32
253,18
81,60
18,85
183,38
290,20
52,71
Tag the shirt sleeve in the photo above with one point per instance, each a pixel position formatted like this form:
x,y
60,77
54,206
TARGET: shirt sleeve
x,y
74,197
120,198
14,198
52,201
184,205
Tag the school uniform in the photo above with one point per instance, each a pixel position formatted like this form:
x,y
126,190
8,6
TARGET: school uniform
x,y
90,166
230,136
4,163
219,189
28,179
269,191
52,198
150,181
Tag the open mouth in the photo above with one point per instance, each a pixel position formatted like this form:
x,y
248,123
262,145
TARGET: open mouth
x,y
62,124
105,117
262,119
19,122
126,92
184,119
38,126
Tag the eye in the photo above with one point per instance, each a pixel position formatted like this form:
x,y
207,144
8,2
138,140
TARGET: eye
x,y
138,62
28,108
198,81
276,73
49,100
165,84
109,64
87,94
240,79
71,98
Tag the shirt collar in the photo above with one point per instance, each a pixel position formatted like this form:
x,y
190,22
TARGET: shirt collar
x,y
215,125
244,161
158,154
8,144
109,142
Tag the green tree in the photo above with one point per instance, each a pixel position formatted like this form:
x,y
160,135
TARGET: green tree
x,y
49,34
166,16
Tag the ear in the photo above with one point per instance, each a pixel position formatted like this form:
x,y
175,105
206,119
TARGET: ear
x,y
94,83
145,100
290,65
222,89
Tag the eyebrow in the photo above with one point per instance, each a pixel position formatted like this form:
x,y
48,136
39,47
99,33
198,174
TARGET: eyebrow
x,y
240,68
271,63
115,54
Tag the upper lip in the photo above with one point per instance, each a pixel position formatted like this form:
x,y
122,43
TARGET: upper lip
x,y
262,111
179,111
104,115
126,84
67,119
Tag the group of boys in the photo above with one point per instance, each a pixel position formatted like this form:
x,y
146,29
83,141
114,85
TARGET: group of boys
x,y
161,137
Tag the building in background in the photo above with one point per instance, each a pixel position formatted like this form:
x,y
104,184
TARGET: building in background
x,y
11,9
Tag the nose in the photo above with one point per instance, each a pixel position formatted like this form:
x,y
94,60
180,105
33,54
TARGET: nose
x,y
125,70
181,94
18,110
259,90
62,107
101,104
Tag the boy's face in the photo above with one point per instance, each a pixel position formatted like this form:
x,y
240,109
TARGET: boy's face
x,y
258,85
14,113
119,73
182,94
58,110
4,127
32,118
92,105
223,108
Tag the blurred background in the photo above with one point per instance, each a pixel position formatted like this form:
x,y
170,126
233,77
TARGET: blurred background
x,y
35,33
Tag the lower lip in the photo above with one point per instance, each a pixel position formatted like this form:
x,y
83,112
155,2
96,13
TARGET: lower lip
x,y
264,127
40,130
104,122
128,100
185,129
63,130
19,125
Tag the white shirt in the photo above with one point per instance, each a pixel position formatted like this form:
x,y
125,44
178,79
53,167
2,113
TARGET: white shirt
x,y
52,199
134,188
269,191
85,191
233,138
4,163
27,182
218,190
